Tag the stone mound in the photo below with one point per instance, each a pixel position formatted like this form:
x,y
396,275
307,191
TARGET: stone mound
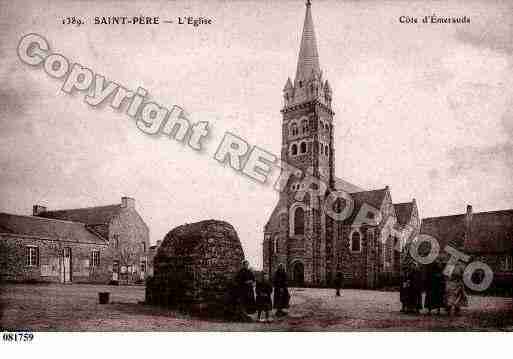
x,y
195,266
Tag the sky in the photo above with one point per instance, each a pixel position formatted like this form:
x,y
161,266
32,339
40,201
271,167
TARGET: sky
x,y
424,108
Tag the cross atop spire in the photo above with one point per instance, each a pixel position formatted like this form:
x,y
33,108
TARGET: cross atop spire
x,y
308,59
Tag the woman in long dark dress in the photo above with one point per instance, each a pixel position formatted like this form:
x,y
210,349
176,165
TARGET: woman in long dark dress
x,y
338,283
411,292
435,289
245,280
404,292
263,291
415,295
281,291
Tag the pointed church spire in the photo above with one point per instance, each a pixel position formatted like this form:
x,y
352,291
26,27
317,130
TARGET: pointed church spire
x,y
308,59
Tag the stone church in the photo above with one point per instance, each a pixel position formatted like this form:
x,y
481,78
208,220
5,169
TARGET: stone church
x,y
314,247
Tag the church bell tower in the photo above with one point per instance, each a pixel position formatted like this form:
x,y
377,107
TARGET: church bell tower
x,y
307,138
307,144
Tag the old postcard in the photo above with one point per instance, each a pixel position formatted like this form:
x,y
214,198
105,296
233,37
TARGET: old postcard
x,y
207,166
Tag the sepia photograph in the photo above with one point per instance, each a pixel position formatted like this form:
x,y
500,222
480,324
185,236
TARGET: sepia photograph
x,y
255,166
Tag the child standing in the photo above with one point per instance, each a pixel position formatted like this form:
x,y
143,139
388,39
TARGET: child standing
x,y
264,290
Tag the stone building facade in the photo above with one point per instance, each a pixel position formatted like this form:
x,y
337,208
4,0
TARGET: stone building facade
x,y
96,244
313,246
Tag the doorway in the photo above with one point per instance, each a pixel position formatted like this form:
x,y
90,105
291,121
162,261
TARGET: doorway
x,y
66,261
298,274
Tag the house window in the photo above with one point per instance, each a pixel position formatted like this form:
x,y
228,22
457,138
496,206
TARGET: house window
x,y
143,266
356,244
294,149
144,247
115,266
302,147
32,256
95,258
299,221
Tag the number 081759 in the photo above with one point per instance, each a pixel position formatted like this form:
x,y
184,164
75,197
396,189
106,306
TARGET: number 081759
x,y
17,337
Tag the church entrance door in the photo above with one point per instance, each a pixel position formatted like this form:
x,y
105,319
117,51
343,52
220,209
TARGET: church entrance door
x,y
298,274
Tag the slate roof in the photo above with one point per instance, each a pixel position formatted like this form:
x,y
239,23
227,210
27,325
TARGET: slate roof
x,y
490,232
403,212
90,215
374,198
308,59
343,185
49,228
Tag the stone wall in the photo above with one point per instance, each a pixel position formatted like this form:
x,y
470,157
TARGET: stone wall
x,y
195,266
129,245
13,260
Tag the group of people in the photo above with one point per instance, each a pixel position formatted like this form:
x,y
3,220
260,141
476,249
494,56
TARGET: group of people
x,y
257,295
440,291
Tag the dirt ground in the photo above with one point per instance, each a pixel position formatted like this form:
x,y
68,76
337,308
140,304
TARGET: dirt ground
x,y
55,307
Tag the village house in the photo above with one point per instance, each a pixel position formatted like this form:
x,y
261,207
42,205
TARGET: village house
x,y
484,236
88,245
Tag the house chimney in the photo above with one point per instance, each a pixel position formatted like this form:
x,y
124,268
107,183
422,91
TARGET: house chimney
x,y
37,209
468,225
127,202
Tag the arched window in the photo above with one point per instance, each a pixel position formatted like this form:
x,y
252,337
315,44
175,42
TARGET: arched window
x,y
293,149
299,221
356,242
304,126
293,129
370,238
327,149
275,244
302,147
